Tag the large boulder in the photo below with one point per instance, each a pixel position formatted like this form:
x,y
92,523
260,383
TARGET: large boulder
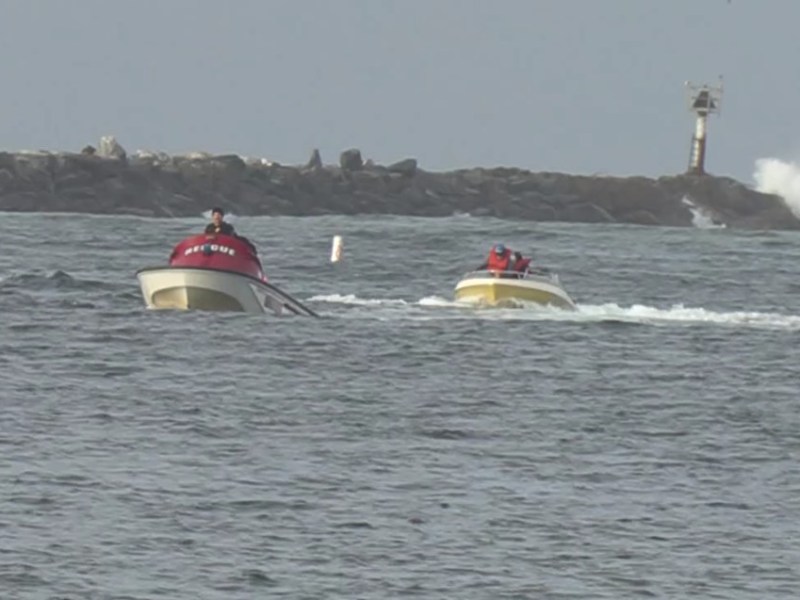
x,y
407,167
111,148
350,160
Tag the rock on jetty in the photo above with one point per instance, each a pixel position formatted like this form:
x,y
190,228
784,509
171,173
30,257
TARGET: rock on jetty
x,y
108,180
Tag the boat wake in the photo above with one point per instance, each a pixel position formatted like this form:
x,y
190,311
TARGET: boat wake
x,y
436,307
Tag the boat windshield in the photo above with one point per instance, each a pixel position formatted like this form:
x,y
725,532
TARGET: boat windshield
x,y
528,274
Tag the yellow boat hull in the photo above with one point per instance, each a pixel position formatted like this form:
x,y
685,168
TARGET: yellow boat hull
x,y
489,290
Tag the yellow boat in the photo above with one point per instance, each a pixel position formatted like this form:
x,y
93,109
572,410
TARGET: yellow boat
x,y
507,288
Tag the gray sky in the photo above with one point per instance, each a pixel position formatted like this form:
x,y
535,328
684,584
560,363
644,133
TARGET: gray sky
x,y
577,86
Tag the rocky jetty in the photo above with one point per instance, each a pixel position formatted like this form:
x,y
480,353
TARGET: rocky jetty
x,y
107,180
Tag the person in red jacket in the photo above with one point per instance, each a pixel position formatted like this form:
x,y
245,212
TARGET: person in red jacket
x,y
521,264
499,259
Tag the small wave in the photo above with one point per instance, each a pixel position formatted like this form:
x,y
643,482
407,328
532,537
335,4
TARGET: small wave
x,y
76,304
57,280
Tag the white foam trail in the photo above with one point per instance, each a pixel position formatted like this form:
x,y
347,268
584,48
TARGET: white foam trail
x,y
700,216
355,300
775,176
438,301
679,313
637,313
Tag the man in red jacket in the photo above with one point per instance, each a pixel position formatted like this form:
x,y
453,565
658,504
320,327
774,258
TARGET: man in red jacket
x,y
499,259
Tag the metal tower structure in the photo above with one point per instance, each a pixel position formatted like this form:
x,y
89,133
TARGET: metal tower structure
x,y
704,100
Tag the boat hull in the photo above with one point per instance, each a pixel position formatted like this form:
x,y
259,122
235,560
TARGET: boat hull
x,y
185,288
489,290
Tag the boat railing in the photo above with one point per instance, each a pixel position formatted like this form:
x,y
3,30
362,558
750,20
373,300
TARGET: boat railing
x,y
528,274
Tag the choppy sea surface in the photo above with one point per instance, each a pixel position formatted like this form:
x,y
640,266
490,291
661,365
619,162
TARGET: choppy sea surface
x,y
645,446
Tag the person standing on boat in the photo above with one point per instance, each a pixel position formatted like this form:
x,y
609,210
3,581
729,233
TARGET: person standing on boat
x,y
218,224
499,259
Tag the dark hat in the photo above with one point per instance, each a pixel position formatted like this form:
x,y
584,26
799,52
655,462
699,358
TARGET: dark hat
x,y
217,209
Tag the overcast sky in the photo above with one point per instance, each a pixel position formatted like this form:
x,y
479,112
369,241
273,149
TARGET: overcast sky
x,y
577,86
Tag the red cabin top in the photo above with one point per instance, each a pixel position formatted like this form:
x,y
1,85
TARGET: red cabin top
x,y
221,252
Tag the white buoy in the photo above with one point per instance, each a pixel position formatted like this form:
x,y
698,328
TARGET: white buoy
x,y
336,249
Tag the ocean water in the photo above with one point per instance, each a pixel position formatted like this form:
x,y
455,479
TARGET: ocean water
x,y
647,445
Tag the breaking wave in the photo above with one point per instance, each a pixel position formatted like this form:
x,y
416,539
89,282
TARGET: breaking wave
x,y
701,218
779,177
436,307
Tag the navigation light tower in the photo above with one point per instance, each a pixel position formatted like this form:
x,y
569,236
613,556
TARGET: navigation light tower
x,y
703,101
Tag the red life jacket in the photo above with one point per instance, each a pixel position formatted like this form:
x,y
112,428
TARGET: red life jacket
x,y
498,262
522,264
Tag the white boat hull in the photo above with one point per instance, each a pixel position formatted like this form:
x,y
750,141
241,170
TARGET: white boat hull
x,y
184,288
